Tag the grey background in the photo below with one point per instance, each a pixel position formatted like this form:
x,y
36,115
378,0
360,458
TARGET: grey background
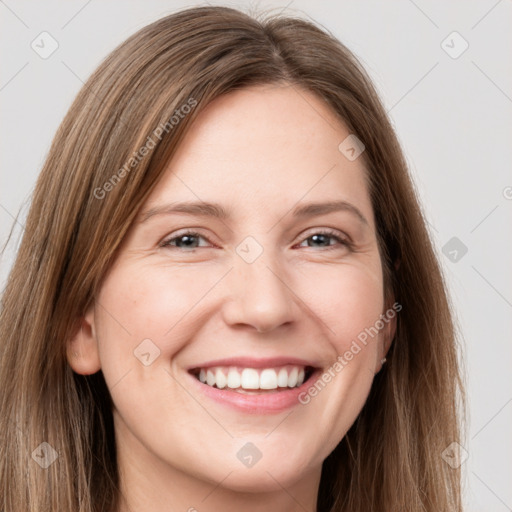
x,y
452,115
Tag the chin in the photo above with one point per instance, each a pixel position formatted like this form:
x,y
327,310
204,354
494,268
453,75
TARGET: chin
x,y
268,478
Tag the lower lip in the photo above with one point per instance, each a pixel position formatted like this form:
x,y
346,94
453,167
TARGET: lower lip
x,y
264,403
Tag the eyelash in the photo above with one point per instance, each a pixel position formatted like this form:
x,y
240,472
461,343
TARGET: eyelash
x,y
327,232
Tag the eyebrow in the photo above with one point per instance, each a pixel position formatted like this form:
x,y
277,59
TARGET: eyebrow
x,y
215,210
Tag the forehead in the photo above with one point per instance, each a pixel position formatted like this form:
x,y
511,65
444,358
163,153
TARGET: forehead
x,y
265,149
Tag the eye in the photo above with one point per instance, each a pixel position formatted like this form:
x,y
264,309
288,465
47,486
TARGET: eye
x,y
189,240
322,237
184,240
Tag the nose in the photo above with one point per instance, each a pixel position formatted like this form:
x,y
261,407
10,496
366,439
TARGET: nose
x,y
260,295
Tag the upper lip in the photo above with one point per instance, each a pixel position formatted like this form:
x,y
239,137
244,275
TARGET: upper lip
x,y
252,362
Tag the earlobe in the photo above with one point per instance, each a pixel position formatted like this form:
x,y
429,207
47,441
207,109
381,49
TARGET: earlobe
x,y
82,348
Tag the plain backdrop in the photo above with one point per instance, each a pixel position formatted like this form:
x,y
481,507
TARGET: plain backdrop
x,y
444,72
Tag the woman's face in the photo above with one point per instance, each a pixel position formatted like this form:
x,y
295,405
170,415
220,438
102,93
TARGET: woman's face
x,y
253,298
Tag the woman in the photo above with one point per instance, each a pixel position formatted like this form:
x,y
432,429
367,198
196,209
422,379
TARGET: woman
x,y
143,372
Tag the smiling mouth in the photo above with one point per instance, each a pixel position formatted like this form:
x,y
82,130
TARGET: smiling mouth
x,y
253,381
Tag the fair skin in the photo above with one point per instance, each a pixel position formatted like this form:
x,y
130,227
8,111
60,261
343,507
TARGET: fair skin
x,y
260,152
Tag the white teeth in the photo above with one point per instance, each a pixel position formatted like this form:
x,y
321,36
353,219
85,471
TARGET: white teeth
x,y
292,377
234,380
289,376
282,378
268,379
250,379
210,378
220,379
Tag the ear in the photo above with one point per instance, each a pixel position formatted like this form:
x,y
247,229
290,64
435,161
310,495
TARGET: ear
x,y
82,348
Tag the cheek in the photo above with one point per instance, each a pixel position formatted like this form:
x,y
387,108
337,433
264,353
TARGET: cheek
x,y
140,304
171,304
348,299
158,303
352,302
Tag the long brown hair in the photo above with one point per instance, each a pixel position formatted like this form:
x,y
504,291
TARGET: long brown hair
x,y
84,203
